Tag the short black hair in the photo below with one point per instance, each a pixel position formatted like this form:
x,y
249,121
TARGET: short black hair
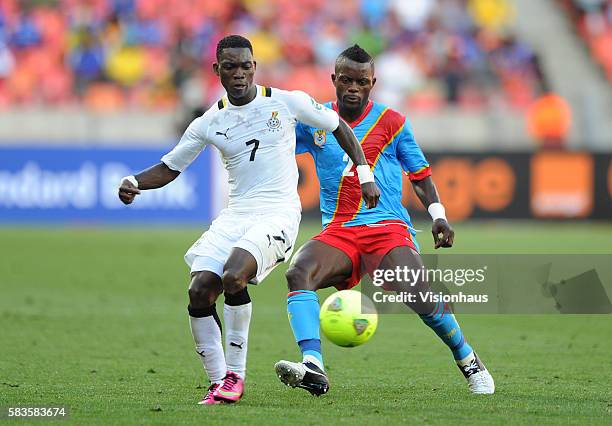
x,y
232,41
355,53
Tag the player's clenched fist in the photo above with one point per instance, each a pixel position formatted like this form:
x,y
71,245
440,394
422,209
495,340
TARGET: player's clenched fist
x,y
371,194
443,233
128,189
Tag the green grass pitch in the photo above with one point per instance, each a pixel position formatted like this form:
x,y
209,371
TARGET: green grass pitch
x,y
95,319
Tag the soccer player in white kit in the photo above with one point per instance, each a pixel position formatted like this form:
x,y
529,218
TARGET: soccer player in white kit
x,y
253,127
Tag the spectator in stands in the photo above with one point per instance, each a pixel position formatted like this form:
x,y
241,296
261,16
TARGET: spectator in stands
x,y
26,32
86,60
453,70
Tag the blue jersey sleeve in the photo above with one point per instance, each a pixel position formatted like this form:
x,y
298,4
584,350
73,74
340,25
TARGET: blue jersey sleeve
x,y
303,138
410,155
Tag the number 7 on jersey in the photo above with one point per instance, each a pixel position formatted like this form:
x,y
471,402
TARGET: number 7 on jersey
x,y
256,143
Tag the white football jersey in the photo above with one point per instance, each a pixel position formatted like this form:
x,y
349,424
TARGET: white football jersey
x,y
257,145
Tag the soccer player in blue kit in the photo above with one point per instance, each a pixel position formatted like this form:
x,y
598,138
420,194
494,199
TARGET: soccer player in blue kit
x,y
357,240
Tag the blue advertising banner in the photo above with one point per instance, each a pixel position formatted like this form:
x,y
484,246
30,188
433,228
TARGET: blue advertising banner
x,y
79,186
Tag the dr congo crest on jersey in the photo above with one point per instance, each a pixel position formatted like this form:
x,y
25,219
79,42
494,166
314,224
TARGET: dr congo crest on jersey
x,y
320,137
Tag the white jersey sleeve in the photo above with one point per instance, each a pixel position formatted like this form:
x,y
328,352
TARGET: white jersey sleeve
x,y
309,111
193,141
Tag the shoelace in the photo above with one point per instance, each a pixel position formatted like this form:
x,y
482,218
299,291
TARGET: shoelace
x,y
211,389
471,368
229,382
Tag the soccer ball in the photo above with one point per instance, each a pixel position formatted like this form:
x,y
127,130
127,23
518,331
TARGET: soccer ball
x,y
348,318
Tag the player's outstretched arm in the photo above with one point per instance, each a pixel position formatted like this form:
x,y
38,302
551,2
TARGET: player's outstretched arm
x,y
443,233
154,177
349,143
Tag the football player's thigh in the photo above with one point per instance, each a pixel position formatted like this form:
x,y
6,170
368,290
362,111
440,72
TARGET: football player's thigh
x,y
267,243
406,257
320,265
257,252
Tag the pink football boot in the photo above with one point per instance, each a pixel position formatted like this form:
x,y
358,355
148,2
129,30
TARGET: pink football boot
x,y
208,398
231,389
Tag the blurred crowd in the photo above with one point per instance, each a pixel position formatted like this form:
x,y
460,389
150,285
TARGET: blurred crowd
x,y
593,20
157,54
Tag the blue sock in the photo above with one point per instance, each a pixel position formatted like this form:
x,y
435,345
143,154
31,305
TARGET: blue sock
x,y
303,310
443,323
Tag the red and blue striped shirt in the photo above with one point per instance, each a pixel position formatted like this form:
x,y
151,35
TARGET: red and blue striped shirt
x,y
390,148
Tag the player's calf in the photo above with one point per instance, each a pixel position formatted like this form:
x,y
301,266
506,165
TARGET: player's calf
x,y
205,324
303,309
237,312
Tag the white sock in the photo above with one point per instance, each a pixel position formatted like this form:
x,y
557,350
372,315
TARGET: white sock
x,y
314,360
467,360
237,320
207,337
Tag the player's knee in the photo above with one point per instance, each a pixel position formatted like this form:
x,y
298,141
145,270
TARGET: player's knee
x,y
298,278
202,293
233,282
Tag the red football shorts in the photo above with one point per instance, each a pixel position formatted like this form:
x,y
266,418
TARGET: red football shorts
x,y
366,245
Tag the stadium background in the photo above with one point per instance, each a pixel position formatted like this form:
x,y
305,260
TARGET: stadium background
x,y
510,100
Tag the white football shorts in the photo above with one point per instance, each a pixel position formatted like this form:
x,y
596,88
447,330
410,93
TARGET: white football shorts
x,y
269,237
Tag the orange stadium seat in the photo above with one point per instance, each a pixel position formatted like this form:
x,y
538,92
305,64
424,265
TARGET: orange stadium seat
x,y
21,84
104,97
